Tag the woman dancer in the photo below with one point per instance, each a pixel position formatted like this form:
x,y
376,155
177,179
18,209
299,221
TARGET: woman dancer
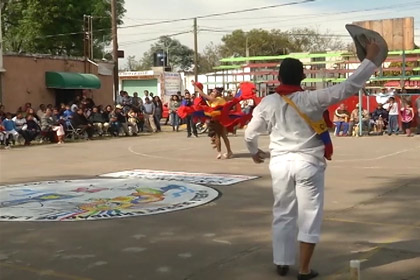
x,y
216,129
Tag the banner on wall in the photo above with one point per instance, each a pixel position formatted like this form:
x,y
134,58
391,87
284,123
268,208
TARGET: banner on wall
x,y
172,83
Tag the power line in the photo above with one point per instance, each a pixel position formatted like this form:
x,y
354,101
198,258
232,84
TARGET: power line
x,y
153,39
221,14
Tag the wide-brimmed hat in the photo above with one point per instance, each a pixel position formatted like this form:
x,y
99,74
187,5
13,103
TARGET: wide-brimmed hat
x,y
361,36
119,106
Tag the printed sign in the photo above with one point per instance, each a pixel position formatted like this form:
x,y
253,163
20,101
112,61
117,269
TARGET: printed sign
x,y
96,199
172,83
194,178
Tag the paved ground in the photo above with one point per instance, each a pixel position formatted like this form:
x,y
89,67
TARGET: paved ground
x,y
372,214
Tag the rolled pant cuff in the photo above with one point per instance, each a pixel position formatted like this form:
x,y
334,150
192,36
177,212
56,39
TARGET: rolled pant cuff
x,y
283,263
307,238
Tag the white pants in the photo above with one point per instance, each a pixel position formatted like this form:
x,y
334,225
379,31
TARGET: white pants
x,y
298,187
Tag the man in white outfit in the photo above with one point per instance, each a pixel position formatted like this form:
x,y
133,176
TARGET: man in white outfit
x,y
297,164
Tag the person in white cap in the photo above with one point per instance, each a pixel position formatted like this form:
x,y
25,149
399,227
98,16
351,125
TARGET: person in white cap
x,y
297,164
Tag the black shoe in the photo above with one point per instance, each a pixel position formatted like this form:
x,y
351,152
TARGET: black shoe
x,y
189,135
282,270
311,275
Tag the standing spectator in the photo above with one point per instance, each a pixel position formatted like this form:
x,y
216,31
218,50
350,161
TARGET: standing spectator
x,y
31,131
47,123
158,112
10,128
174,104
407,116
136,101
98,121
393,113
120,97
149,111
80,121
418,115
126,102
146,95
341,116
41,111
189,119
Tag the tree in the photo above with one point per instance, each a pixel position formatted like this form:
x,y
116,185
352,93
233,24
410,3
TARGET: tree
x,y
310,40
209,58
132,64
181,57
56,26
258,42
276,42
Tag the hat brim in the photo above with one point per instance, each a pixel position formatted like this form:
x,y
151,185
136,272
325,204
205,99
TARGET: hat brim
x,y
361,36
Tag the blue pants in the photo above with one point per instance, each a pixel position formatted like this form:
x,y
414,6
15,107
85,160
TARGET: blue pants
x,y
175,120
339,125
392,124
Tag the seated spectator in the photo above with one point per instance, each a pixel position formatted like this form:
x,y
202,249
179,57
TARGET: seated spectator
x,y
20,122
379,119
132,122
10,129
56,116
2,134
32,130
98,121
80,121
41,111
118,121
341,118
354,119
2,112
105,114
67,115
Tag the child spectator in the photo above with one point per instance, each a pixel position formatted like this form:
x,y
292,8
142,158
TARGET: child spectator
x,y
407,116
392,108
10,128
132,122
341,118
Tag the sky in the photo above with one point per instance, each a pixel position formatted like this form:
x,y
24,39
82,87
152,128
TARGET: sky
x,y
325,15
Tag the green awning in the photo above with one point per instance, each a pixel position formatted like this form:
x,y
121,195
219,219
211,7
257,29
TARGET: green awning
x,y
71,80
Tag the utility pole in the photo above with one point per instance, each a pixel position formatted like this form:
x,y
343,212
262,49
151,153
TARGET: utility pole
x,y
195,51
85,40
115,46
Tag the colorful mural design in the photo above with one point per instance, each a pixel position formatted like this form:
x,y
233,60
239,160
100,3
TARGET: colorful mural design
x,y
94,199
194,178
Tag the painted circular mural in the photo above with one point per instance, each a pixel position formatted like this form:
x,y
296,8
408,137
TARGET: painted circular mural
x,y
96,199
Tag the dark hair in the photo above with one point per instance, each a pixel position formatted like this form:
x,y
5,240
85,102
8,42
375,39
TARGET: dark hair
x,y
291,72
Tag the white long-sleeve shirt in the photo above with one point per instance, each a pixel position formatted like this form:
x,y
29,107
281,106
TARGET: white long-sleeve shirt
x,y
289,133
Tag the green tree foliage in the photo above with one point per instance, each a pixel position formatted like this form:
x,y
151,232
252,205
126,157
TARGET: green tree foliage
x,y
275,42
181,57
55,26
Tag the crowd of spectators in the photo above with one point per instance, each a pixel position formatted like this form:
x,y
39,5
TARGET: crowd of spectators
x,y
130,116
386,118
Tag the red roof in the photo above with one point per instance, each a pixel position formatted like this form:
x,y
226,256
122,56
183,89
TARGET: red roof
x,y
408,84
